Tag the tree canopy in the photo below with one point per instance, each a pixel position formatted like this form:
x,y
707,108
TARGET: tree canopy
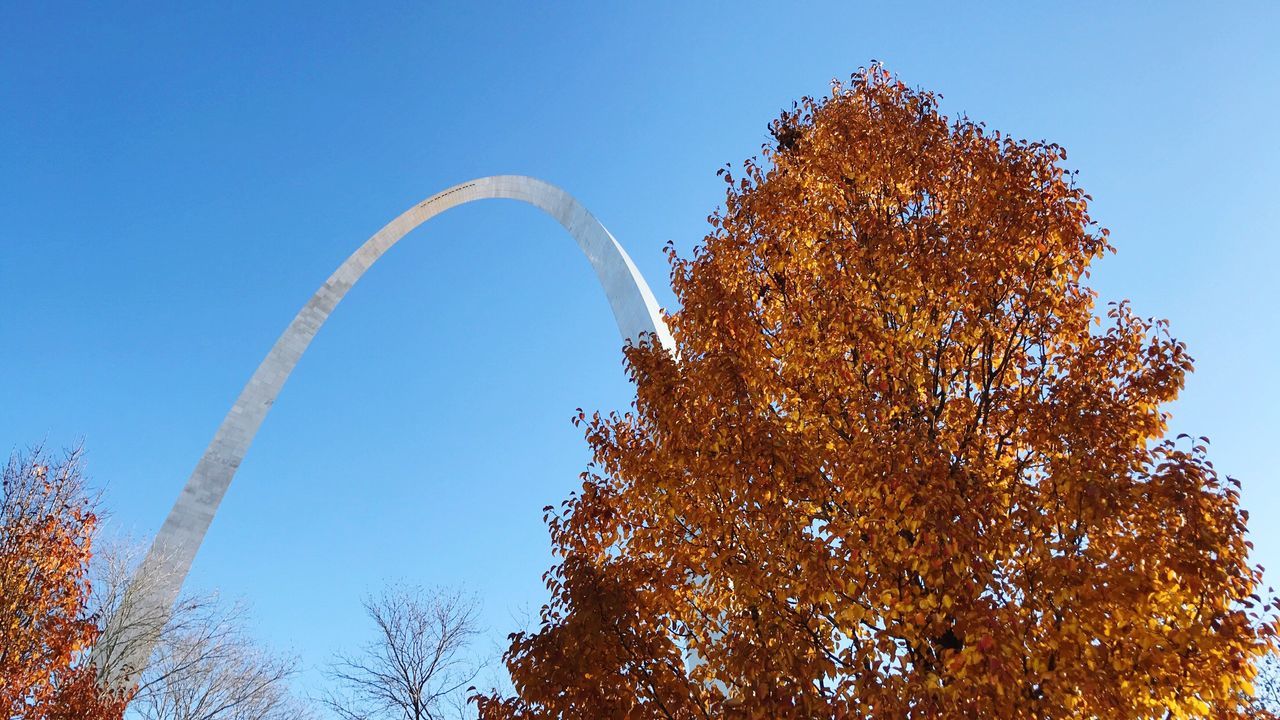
x,y
902,464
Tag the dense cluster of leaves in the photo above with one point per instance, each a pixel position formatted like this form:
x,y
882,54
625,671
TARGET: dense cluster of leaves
x,y
46,527
901,465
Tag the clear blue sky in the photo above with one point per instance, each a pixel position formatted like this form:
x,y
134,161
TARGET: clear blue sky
x,y
176,181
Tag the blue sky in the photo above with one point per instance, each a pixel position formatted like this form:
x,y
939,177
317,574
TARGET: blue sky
x,y
176,181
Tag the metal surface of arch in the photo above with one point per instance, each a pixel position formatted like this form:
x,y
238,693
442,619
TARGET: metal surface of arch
x,y
160,577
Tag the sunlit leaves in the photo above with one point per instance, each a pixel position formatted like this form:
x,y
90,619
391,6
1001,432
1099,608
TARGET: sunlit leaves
x,y
46,526
903,467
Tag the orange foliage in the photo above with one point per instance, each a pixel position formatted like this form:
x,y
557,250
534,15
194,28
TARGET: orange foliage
x,y
46,525
896,471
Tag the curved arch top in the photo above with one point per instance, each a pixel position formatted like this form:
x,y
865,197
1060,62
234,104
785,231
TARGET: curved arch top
x,y
159,578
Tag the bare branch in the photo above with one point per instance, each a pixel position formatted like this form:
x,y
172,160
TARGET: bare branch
x,y
205,665
418,667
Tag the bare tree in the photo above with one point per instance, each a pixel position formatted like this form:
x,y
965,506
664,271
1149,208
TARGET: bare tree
x,y
214,671
418,667
124,618
205,665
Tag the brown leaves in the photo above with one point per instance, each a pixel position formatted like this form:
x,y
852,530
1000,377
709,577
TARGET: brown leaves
x,y
46,525
895,472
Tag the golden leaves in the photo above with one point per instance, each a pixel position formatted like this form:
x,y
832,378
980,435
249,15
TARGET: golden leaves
x,y
896,473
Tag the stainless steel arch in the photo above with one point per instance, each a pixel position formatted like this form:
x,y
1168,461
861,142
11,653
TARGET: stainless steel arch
x,y
130,637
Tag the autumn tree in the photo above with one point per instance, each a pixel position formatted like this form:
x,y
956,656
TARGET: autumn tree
x,y
901,464
47,524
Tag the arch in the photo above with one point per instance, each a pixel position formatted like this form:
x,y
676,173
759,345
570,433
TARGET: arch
x,y
130,638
